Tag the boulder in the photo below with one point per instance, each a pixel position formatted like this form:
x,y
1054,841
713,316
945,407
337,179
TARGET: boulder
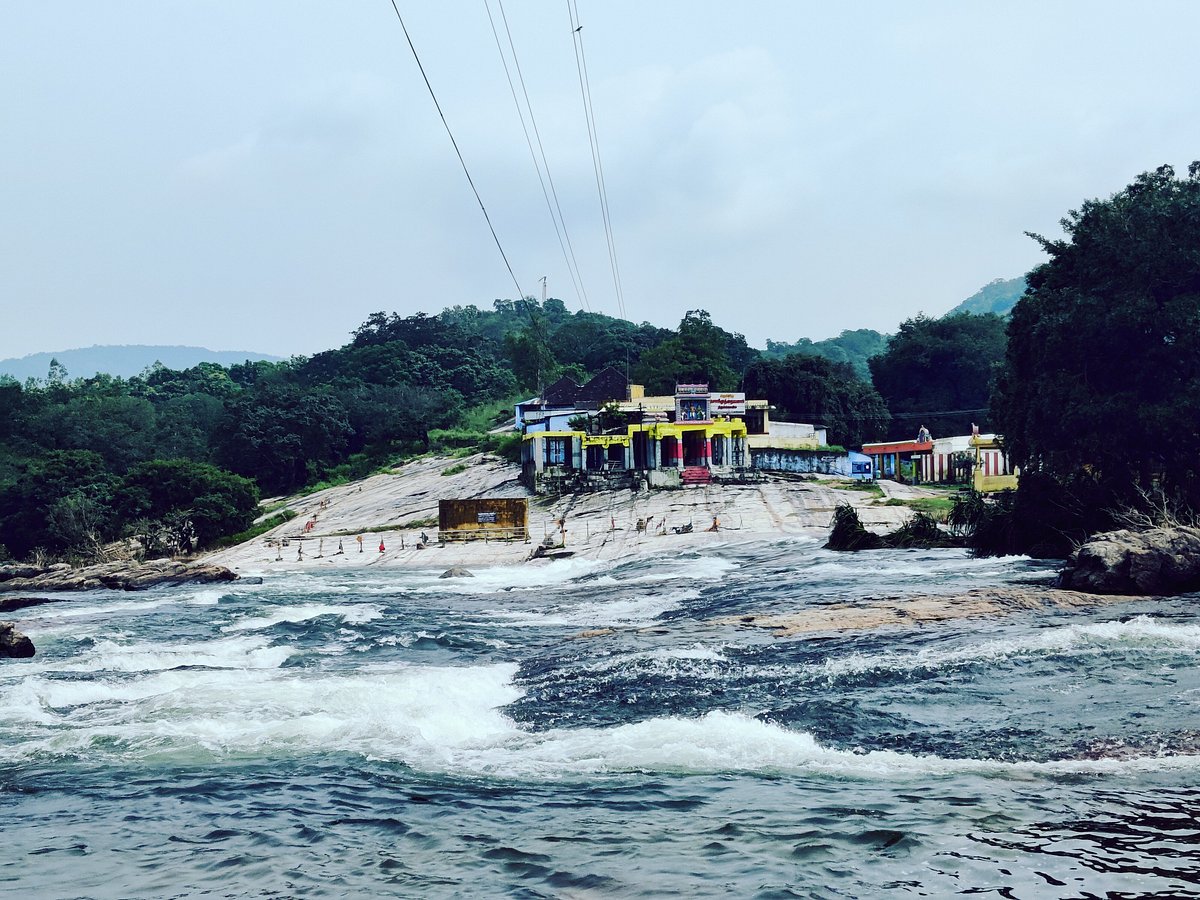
x,y
1156,561
457,572
8,604
151,575
122,575
14,644
17,570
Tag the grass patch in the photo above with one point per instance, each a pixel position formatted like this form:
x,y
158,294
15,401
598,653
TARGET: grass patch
x,y
255,530
454,469
936,507
357,467
867,487
460,442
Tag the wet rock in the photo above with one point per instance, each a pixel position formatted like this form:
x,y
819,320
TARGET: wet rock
x,y
16,570
1157,561
457,572
152,575
121,575
8,604
14,644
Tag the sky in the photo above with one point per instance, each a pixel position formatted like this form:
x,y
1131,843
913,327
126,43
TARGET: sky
x,y
265,175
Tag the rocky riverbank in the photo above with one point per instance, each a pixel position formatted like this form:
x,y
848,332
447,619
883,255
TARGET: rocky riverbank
x,y
123,575
390,511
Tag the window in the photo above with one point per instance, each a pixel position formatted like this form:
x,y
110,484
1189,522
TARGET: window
x,y
557,451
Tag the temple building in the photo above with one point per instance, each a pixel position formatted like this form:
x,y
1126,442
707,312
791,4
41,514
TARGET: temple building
x,y
686,438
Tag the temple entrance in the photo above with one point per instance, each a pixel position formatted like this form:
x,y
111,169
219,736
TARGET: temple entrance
x,y
667,454
642,458
718,450
693,448
595,458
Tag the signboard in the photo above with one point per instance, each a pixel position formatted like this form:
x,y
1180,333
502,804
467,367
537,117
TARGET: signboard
x,y
727,404
485,517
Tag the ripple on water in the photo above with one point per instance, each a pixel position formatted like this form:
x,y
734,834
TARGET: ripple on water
x,y
393,733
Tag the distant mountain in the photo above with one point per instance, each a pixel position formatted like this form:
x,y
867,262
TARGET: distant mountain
x,y
124,360
997,297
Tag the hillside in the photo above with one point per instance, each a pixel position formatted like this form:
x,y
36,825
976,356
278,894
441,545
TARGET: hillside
x,y
124,360
998,296
393,508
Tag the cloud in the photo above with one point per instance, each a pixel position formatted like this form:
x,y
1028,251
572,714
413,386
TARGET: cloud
x,y
328,122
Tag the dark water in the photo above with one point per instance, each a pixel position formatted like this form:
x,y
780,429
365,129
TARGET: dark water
x,y
393,734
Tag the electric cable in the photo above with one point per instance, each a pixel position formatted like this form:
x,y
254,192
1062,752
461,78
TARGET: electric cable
x,y
560,232
594,143
462,162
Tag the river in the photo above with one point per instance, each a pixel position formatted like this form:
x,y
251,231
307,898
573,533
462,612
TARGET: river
x,y
390,733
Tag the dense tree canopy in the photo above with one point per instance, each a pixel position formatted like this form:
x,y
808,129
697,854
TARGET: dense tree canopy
x,y
939,373
1102,371
698,352
812,389
854,347
78,456
214,502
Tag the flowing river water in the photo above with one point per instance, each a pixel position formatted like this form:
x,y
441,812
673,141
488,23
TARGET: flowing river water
x,y
388,733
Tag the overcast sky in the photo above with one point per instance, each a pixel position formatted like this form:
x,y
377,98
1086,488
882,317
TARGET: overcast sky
x,y
263,175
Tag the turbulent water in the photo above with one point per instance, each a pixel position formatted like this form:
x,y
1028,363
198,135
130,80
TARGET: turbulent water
x,y
385,732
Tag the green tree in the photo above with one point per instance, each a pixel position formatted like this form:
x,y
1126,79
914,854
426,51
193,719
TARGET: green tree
x,y
1102,371
533,362
854,347
812,389
283,437
698,352
62,501
939,372
213,502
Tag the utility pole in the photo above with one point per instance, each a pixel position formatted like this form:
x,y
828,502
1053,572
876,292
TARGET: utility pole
x,y
543,281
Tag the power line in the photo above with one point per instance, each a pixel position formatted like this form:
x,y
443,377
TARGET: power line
x,y
569,259
462,162
594,142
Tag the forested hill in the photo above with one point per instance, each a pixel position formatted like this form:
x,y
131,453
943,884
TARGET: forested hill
x,y
187,451
998,297
124,360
